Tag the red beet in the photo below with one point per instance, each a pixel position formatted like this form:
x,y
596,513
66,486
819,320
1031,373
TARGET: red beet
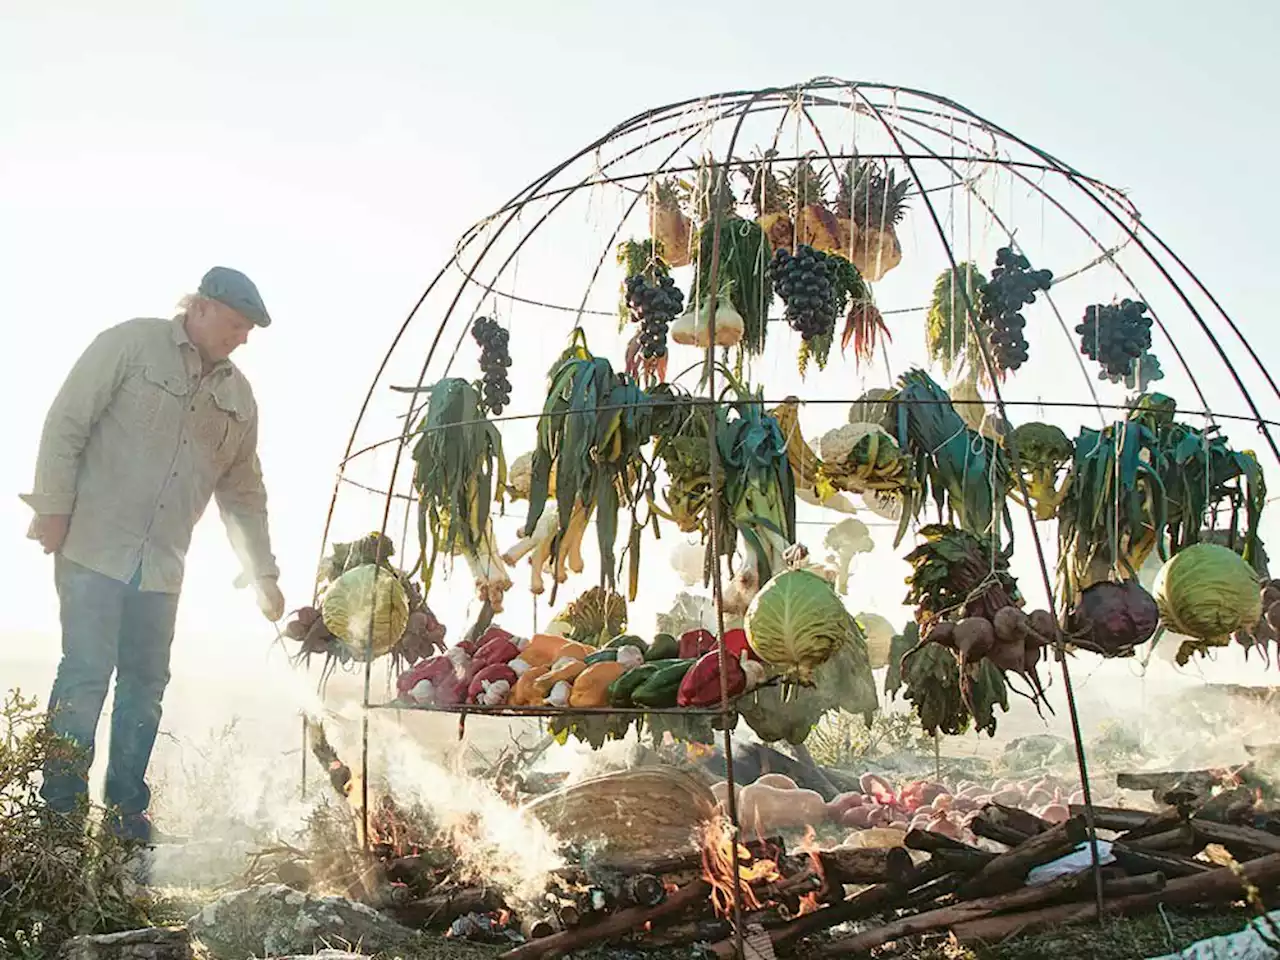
x,y
1115,617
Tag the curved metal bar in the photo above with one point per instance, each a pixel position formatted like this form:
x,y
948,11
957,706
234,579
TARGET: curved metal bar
x,y
1012,447
999,221
1214,300
1119,268
1088,187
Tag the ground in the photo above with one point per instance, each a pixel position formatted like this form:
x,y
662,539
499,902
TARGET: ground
x,y
1124,939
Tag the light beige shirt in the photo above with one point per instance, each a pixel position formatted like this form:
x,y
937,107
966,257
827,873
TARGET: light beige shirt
x,y
136,443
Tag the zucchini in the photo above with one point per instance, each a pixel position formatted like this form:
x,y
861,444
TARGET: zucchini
x,y
627,640
620,690
664,647
659,690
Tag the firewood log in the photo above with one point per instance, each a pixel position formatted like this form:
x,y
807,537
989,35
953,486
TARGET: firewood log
x,y
1220,885
1009,868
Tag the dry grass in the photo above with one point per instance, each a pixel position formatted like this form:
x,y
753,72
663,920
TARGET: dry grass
x,y
57,878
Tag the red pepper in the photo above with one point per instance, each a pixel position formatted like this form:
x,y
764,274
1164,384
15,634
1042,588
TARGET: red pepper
x,y
497,650
735,644
434,669
493,633
492,674
694,643
450,691
701,685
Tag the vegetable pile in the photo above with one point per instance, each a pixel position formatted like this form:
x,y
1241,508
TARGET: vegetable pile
x,y
881,813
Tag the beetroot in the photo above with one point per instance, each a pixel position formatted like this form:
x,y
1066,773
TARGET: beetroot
x,y
1113,618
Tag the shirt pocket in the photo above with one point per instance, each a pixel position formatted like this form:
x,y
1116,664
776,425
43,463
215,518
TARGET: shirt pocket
x,y
152,399
218,429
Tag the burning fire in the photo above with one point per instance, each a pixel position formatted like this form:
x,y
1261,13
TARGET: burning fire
x,y
722,856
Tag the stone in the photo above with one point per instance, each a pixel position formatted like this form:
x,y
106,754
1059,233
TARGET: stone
x,y
273,920
152,943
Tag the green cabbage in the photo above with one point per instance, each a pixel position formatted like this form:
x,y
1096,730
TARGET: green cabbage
x,y
1208,592
845,682
796,622
363,597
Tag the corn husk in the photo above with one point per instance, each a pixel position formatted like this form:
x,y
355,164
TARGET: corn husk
x,y
652,810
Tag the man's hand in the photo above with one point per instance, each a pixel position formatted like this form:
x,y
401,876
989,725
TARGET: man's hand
x,y
270,599
50,531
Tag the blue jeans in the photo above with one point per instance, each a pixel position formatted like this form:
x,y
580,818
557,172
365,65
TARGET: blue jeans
x,y
109,626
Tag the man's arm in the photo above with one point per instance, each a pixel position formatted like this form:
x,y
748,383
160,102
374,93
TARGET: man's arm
x,y
242,502
84,395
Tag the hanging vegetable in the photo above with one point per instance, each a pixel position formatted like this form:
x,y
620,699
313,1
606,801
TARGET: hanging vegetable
x,y
955,319
796,622
966,474
808,471
459,469
859,457
367,609
1207,592
651,299
869,207
1112,618
843,682
1113,513
1043,452
741,280
671,229
694,328
759,494
593,427
682,442
771,201
1203,479
955,575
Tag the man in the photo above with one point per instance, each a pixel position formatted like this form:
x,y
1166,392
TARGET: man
x,y
152,422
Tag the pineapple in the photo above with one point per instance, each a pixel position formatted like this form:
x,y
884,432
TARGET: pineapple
x,y
771,201
869,207
815,224
671,229
710,202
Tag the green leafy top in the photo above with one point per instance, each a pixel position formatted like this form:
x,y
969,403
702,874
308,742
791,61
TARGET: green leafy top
x,y
964,472
459,469
593,427
951,329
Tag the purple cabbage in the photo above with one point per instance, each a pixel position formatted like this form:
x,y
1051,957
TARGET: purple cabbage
x,y
1113,618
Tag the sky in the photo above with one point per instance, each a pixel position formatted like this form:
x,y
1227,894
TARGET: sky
x,y
335,153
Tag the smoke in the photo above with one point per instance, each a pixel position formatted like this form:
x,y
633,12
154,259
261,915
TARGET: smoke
x,y
495,842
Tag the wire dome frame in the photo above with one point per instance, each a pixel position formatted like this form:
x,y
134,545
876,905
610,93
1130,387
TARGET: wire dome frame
x,y
546,266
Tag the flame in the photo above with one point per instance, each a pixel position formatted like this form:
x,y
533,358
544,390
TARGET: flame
x,y
808,904
721,856
809,846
